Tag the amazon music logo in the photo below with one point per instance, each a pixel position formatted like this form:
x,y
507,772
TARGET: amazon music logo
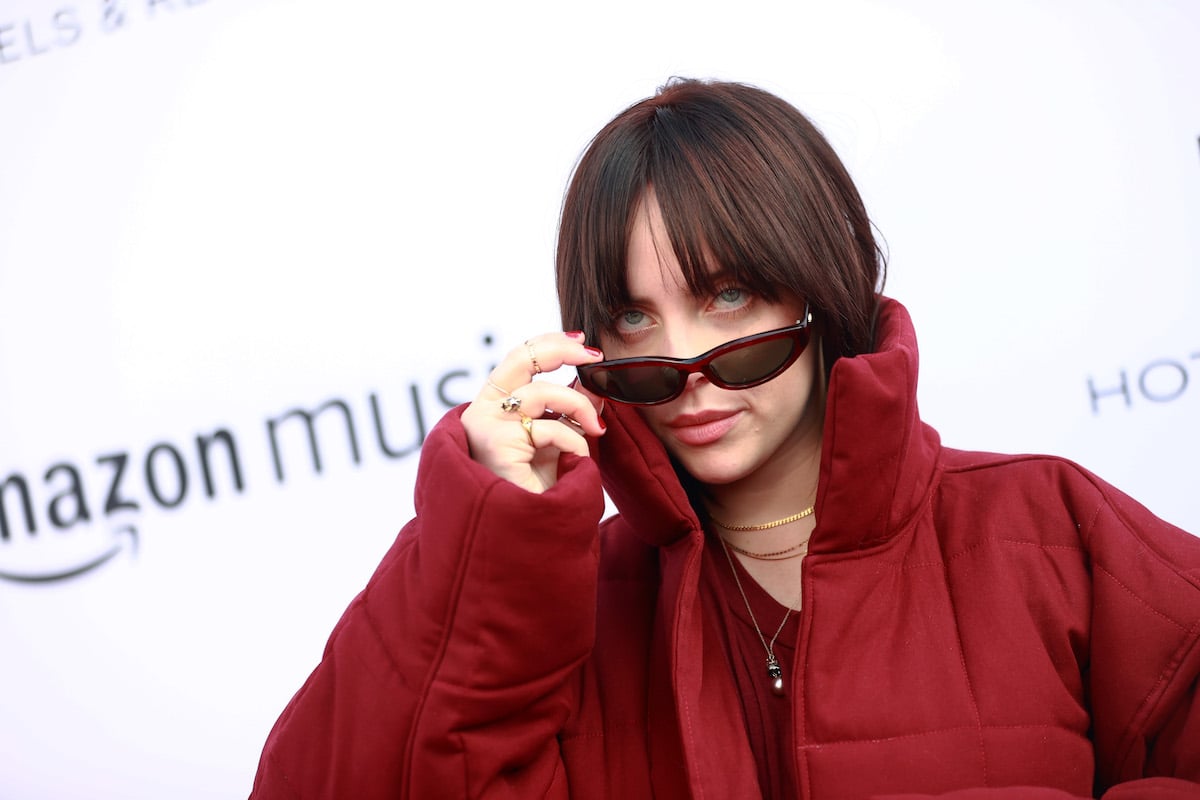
x,y
74,515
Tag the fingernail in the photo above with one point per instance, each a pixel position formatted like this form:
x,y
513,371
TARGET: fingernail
x,y
592,351
600,422
576,335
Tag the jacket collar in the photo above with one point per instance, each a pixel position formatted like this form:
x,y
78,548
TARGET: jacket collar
x,y
877,457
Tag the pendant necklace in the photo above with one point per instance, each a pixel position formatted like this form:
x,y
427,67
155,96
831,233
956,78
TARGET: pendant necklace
x,y
774,672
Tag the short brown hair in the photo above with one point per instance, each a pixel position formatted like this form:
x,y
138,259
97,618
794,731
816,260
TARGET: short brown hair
x,y
741,177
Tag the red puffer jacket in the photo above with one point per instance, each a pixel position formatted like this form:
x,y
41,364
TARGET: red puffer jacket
x,y
969,622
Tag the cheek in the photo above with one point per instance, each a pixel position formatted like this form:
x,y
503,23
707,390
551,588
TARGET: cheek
x,y
655,416
791,390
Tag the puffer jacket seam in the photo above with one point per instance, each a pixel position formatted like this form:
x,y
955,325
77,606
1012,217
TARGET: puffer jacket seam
x,y
935,731
373,625
962,660
460,575
1103,504
1138,724
1097,566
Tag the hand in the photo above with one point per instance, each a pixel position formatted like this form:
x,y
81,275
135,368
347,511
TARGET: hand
x,y
521,441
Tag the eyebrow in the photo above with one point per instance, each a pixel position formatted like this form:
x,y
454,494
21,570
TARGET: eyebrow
x,y
721,274
715,277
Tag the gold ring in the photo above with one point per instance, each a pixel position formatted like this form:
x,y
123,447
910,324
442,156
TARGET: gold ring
x,y
527,424
537,368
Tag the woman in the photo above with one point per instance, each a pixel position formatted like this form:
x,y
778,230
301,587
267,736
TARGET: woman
x,y
804,593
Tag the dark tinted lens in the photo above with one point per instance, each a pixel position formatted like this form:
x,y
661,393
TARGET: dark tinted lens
x,y
638,384
753,363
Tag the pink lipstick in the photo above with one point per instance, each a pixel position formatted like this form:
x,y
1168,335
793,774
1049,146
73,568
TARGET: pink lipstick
x,y
706,427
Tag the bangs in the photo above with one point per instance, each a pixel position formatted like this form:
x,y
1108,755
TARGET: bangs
x,y
710,259
709,185
750,192
719,224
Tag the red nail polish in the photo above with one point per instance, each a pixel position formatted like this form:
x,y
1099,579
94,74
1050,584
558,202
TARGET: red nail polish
x,y
592,350
576,335
600,422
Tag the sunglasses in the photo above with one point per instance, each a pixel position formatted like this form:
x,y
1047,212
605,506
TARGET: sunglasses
x,y
738,364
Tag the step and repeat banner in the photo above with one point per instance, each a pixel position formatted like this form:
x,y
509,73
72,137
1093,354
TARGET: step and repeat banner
x,y
251,251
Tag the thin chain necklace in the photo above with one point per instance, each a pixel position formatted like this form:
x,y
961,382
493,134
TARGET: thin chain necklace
x,y
773,669
765,526
795,551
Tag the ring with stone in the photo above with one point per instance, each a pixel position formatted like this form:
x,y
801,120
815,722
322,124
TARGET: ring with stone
x,y
527,424
511,402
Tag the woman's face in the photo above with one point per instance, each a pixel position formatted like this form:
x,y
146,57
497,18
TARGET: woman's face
x,y
720,436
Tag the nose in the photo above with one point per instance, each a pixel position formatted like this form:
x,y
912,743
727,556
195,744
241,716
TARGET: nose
x,y
693,380
688,342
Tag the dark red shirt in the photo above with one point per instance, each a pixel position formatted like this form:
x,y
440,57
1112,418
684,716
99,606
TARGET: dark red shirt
x,y
768,716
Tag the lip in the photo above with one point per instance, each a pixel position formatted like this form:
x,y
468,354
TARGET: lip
x,y
702,428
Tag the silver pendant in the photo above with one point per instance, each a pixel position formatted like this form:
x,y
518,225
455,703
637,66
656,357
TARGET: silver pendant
x,y
776,675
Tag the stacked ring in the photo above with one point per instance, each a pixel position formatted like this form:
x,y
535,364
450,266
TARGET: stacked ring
x,y
537,368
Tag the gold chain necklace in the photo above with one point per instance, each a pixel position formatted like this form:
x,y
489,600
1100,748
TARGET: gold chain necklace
x,y
795,551
774,672
765,526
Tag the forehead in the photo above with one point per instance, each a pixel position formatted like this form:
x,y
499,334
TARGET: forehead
x,y
652,269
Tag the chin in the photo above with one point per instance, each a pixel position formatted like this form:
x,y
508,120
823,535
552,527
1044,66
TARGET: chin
x,y
711,470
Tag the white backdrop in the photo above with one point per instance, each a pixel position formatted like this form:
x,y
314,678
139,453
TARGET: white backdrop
x,y
214,213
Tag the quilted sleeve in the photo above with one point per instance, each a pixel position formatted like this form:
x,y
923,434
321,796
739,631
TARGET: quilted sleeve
x,y
1144,655
1145,649
448,675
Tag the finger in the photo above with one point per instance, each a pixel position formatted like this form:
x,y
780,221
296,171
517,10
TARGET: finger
x,y
544,353
543,398
552,433
596,400
566,419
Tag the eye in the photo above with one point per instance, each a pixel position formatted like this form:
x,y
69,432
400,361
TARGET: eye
x,y
629,321
731,297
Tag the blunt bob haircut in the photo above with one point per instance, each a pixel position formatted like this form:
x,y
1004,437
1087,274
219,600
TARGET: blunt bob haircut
x,y
743,180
